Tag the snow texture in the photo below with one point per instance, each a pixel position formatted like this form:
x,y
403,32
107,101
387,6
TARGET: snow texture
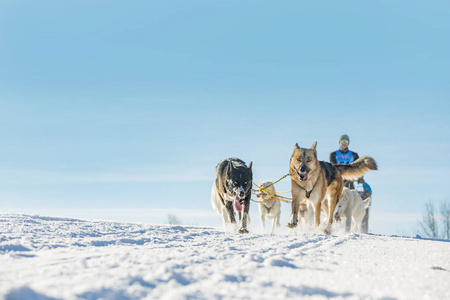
x,y
62,258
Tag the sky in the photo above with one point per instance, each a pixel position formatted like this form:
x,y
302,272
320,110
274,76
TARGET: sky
x,y
121,110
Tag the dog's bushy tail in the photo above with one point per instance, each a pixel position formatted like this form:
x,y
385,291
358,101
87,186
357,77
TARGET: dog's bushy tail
x,y
357,168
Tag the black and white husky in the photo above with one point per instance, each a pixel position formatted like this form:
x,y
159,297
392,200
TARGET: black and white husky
x,y
232,190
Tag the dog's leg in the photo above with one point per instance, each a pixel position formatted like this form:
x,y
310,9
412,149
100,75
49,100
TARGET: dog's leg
x,y
365,222
354,225
274,221
358,227
359,219
325,207
334,192
310,215
348,222
263,219
295,207
225,216
220,205
230,210
332,201
317,209
245,210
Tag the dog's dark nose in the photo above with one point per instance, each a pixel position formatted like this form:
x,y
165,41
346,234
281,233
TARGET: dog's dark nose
x,y
241,194
303,169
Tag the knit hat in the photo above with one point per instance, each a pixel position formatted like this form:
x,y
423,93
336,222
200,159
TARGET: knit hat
x,y
344,137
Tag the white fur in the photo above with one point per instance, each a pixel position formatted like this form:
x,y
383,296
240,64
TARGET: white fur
x,y
222,210
271,209
352,208
306,218
218,206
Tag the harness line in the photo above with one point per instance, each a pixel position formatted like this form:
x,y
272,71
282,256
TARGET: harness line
x,y
262,189
269,192
277,198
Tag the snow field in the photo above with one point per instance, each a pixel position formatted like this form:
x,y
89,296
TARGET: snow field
x,y
60,258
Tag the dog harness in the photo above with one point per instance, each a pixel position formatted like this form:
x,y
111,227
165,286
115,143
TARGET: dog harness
x,y
344,158
308,193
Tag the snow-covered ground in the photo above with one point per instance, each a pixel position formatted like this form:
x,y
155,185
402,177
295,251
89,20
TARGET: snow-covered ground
x,y
61,258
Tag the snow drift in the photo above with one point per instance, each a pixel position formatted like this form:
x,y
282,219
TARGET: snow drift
x,y
61,258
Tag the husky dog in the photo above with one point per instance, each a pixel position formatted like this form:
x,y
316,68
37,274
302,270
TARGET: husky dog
x,y
232,190
312,180
269,206
353,208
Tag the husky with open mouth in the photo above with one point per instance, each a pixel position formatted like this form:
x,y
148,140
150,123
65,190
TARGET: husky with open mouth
x,y
312,180
269,205
232,191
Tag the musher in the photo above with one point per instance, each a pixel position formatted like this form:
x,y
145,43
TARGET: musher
x,y
344,156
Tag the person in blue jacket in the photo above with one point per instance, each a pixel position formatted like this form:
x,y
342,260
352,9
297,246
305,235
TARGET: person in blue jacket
x,y
344,156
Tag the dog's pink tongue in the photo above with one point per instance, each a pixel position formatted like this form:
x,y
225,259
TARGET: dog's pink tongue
x,y
237,204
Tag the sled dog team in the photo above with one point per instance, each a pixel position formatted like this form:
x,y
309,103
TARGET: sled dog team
x,y
312,180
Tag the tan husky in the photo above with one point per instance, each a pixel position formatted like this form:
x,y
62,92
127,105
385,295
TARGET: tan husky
x,y
312,180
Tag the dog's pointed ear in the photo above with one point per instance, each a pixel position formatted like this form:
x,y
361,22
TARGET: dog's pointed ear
x,y
297,146
313,148
230,167
250,166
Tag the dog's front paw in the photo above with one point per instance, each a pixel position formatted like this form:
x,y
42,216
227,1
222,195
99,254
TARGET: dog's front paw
x,y
327,230
291,225
243,230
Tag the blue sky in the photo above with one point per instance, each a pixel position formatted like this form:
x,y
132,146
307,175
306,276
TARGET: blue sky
x,y
121,110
